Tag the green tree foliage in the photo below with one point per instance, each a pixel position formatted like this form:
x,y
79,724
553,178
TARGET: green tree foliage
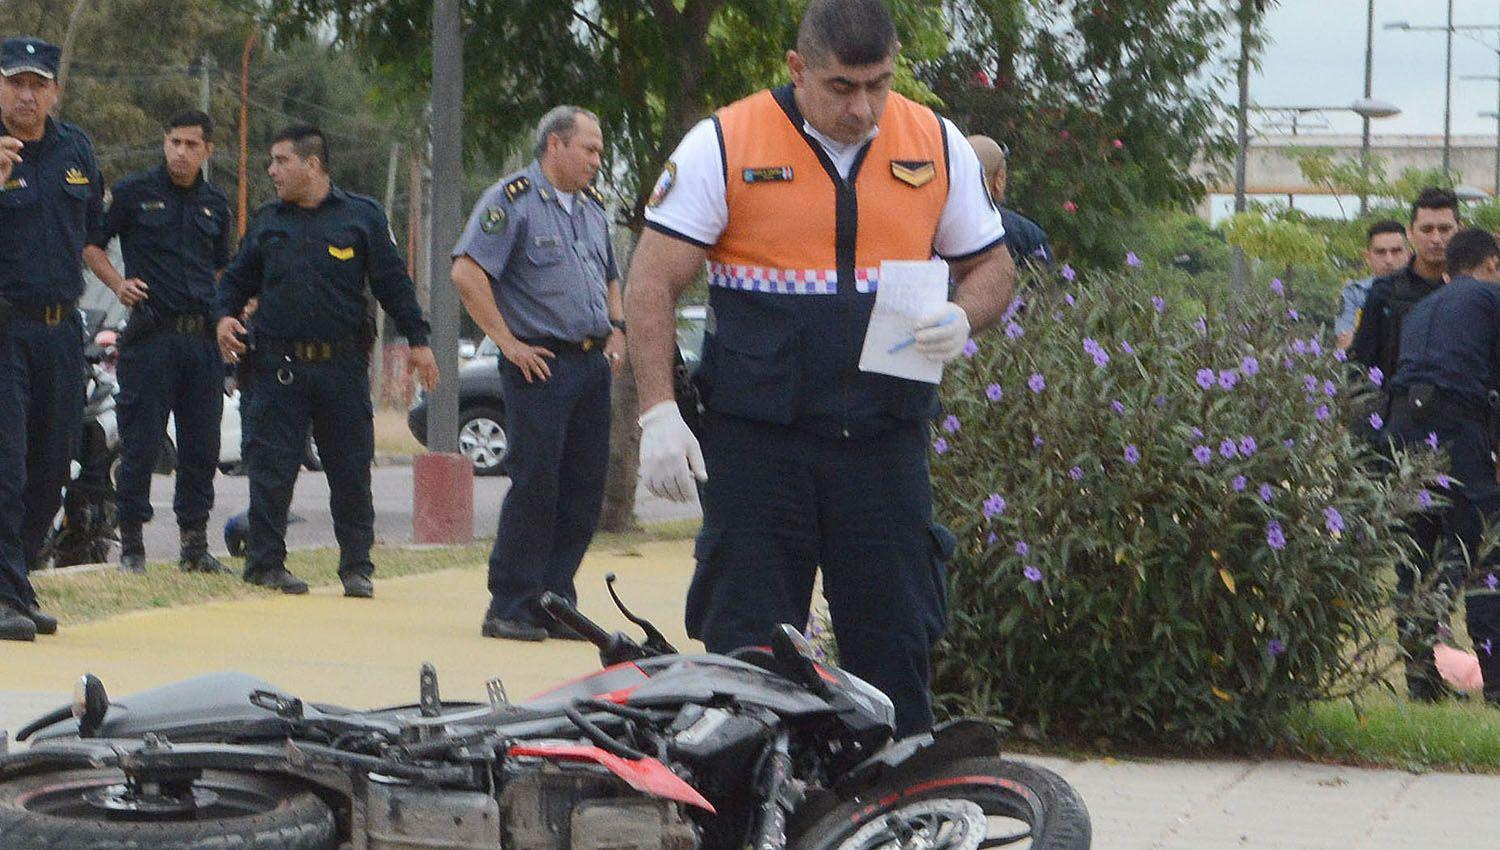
x,y
1166,532
1104,105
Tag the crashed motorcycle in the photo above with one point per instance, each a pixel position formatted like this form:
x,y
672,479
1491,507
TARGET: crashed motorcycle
x,y
762,748
87,526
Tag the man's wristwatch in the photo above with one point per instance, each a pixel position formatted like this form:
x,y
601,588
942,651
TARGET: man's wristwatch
x,y
618,324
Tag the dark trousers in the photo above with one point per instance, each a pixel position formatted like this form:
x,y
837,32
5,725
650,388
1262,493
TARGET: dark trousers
x,y
779,504
559,452
41,405
161,375
334,397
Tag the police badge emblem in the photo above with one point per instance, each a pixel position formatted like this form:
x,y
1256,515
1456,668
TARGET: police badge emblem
x,y
664,185
493,220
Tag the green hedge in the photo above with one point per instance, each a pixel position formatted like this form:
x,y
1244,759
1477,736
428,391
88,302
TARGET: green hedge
x,y
1166,532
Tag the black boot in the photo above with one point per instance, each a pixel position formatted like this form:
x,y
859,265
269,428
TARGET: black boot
x,y
132,549
195,557
1483,618
14,624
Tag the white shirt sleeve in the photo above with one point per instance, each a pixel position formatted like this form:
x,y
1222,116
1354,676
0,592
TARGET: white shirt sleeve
x,y
688,200
970,221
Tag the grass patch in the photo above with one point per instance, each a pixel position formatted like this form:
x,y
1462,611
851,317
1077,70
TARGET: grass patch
x,y
1391,732
79,597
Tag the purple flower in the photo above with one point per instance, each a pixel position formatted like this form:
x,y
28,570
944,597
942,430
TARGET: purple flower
x,y
1299,347
1202,454
1032,573
1068,299
1022,549
1068,274
1036,382
1228,378
1377,377
1076,473
971,348
1132,454
1197,432
950,424
1160,401
1159,303
1014,331
1376,422
993,392
1132,260
1275,647
1333,519
1037,441
1228,449
1424,498
1116,406
1288,444
1250,366
1265,492
1339,355
992,539
1444,481
1310,382
1293,315
1432,440
994,505
1315,348
1126,347
1275,537
1488,646
1201,325
1286,363
1205,378
1277,288
1322,413
1490,581
940,446
1101,359
1247,445
1329,389
1238,483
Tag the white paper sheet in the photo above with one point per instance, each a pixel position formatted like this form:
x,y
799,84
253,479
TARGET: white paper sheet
x,y
908,289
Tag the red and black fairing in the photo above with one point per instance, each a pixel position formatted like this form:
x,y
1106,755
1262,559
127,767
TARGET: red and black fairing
x,y
676,680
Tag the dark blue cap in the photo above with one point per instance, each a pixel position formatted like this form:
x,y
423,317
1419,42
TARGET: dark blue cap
x,y
29,56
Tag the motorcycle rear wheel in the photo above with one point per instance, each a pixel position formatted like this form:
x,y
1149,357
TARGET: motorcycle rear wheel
x,y
964,805
81,808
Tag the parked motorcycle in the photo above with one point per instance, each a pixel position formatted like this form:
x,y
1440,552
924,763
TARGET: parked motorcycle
x,y
87,525
762,748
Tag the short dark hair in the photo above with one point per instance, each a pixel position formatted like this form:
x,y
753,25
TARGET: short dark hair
x,y
1385,225
1469,248
192,118
856,32
307,141
1434,198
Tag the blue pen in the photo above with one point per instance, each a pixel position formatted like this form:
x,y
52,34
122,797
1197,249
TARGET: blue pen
x,y
948,320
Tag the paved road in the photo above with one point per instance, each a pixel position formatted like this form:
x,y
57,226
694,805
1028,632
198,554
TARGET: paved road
x,y
367,652
392,487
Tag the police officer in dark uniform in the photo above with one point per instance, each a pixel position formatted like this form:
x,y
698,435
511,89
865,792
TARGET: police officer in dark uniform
x,y
174,233
310,258
1025,238
1447,386
536,270
1377,338
51,203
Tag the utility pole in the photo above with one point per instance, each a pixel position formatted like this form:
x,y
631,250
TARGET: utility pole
x,y
244,187
205,94
379,353
1448,96
1364,141
1239,272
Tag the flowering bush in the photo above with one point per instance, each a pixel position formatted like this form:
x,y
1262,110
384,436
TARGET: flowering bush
x,y
1166,531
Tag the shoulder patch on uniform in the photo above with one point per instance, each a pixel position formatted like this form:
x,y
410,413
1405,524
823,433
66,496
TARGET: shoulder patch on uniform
x,y
493,220
517,187
595,195
664,184
913,172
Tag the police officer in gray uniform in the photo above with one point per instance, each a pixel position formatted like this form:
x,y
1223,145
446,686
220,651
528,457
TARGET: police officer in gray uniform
x,y
537,273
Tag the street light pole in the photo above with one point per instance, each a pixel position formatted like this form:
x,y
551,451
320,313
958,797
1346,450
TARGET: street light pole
x,y
1364,141
1448,94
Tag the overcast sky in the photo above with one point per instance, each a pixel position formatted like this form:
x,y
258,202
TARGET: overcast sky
x,y
1315,56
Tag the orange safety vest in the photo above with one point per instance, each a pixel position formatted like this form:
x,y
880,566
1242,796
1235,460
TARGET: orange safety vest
x,y
792,278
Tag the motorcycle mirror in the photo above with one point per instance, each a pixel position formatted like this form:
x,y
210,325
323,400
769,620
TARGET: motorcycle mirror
x,y
90,704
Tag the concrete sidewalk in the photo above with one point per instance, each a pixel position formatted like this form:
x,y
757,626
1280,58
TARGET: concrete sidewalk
x,y
364,653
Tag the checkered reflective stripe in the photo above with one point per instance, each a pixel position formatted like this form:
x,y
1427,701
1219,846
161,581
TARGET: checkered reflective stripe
x,y
788,281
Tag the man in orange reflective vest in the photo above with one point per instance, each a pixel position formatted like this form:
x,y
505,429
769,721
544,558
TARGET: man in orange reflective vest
x,y
794,196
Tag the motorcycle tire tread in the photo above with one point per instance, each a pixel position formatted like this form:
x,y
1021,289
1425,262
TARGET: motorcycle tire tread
x,y
1067,826
303,821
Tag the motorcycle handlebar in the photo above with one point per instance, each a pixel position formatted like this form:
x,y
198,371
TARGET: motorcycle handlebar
x,y
564,612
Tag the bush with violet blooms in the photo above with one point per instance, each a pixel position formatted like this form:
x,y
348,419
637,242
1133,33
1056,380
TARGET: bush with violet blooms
x,y
1167,532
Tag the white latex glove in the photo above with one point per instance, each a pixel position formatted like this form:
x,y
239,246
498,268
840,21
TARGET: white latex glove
x,y
941,334
670,456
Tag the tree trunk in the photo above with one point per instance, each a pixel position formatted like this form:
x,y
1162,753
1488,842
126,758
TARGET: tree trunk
x,y
618,513
67,45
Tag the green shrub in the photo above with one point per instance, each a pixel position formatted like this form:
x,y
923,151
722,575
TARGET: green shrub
x,y
1146,559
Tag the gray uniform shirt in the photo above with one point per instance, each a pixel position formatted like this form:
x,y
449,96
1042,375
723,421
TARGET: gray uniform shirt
x,y
549,268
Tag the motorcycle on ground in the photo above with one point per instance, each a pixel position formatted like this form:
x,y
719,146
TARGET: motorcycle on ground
x,y
762,748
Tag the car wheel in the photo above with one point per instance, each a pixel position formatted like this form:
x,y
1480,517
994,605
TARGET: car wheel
x,y
481,439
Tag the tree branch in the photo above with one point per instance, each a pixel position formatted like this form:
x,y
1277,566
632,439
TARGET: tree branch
x,y
594,27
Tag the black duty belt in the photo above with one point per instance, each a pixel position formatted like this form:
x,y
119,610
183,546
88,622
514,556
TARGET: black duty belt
x,y
308,350
51,314
195,324
555,345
